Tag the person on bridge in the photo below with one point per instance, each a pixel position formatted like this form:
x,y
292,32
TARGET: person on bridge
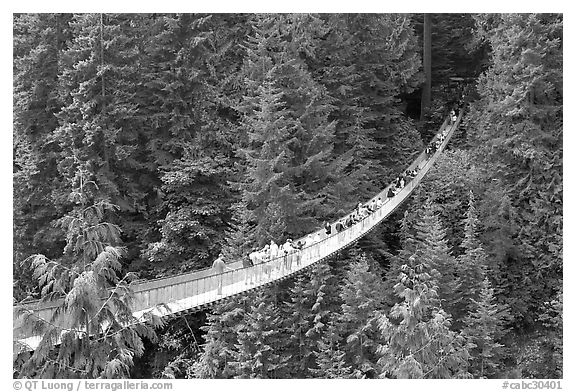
x,y
291,253
349,221
265,260
218,266
372,206
358,207
286,249
298,246
265,252
273,250
247,264
379,202
340,226
392,191
255,259
363,212
355,218
328,228
453,116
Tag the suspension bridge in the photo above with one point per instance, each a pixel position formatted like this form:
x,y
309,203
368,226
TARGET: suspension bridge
x,y
175,295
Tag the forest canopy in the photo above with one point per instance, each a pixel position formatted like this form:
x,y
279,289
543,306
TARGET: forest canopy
x,y
146,144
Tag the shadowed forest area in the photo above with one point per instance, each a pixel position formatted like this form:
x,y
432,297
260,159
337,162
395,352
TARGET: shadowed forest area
x,y
146,144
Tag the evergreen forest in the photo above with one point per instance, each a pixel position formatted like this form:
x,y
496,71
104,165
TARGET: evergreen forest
x,y
146,144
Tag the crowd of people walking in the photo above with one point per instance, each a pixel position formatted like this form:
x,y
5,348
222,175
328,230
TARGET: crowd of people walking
x,y
282,257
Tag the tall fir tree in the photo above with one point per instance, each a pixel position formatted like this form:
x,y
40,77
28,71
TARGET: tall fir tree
x,y
357,322
306,316
260,341
285,115
92,333
552,318
431,237
330,359
419,342
216,360
471,264
484,327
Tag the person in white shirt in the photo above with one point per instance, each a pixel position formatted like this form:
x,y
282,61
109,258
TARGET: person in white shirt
x,y
219,267
453,116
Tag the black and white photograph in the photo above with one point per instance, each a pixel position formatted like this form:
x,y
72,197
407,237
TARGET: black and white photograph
x,y
274,195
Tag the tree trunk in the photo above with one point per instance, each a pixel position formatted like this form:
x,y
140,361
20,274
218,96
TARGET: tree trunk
x,y
427,91
102,54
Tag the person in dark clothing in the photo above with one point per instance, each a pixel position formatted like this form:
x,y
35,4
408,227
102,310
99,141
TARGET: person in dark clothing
x,y
328,228
355,218
300,244
339,226
391,192
247,263
349,221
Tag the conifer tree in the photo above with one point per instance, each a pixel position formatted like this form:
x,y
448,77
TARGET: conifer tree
x,y
471,265
357,322
409,247
221,339
330,358
306,317
483,328
267,192
93,333
436,254
418,340
257,352
285,115
552,318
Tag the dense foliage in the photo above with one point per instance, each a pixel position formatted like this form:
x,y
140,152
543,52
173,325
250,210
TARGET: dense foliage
x,y
144,144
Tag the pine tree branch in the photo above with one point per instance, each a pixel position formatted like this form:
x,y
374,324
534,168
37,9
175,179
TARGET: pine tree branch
x,y
108,299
